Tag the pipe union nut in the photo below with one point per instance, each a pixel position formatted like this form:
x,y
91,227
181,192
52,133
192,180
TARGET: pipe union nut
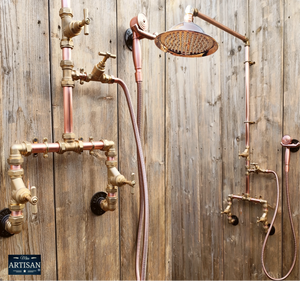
x,y
15,173
68,136
66,43
65,12
62,147
15,160
16,207
28,148
79,146
111,164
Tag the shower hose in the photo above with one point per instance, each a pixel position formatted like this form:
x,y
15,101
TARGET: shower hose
x,y
144,205
271,225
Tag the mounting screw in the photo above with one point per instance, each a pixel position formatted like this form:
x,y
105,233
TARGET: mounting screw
x,y
35,140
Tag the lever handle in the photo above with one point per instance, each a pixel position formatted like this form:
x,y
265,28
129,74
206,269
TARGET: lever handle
x,y
107,55
132,183
33,200
86,20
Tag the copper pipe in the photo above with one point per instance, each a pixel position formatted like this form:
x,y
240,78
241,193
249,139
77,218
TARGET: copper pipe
x,y
271,225
221,26
68,110
13,167
250,199
143,172
54,147
66,53
41,147
247,109
67,91
89,145
65,3
16,213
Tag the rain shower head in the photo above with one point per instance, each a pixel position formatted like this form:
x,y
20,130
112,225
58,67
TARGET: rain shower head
x,y
186,39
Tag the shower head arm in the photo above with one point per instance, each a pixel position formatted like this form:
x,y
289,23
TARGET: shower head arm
x,y
196,13
142,34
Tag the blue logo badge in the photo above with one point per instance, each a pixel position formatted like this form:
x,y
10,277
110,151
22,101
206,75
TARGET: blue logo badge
x,y
24,264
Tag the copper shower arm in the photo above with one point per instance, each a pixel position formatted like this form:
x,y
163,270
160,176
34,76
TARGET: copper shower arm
x,y
196,13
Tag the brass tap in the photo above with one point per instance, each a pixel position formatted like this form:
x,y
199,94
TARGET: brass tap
x,y
255,169
245,153
97,73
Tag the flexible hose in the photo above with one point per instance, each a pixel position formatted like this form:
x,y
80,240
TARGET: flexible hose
x,y
271,225
143,175
141,185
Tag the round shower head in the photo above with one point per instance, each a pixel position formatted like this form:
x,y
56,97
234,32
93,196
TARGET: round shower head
x,y
186,39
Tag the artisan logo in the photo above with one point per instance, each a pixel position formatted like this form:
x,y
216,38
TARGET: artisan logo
x,y
24,265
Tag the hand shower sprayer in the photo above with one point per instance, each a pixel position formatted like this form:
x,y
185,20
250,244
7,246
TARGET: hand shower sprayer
x,y
133,35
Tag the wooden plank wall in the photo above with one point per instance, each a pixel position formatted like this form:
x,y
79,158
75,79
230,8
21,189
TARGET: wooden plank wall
x,y
193,131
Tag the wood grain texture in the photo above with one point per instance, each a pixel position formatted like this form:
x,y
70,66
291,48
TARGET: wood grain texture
x,y
236,238
193,113
266,31
87,245
194,157
152,138
26,113
291,61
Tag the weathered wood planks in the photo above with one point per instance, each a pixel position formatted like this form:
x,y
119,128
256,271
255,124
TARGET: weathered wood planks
x,y
25,114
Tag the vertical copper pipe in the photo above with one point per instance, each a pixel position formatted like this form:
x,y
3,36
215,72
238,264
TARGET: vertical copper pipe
x,y
247,108
13,167
67,91
65,3
68,110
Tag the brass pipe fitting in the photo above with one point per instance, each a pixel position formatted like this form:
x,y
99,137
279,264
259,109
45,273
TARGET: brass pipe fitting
x,y
14,223
67,67
72,28
98,72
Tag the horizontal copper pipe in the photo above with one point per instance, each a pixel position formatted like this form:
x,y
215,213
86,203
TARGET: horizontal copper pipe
x,y
54,147
250,199
89,145
221,26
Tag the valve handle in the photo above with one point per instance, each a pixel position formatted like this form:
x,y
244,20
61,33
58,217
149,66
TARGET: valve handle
x,y
86,21
33,200
132,182
107,55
